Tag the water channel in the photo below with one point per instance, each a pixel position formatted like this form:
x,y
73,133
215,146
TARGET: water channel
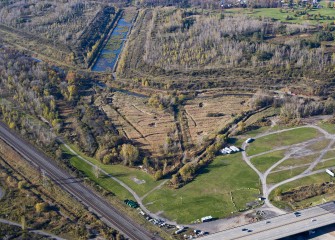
x,y
110,53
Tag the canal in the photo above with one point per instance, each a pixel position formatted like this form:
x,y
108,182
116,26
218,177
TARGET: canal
x,y
110,53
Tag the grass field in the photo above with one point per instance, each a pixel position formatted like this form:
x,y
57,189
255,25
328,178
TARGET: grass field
x,y
125,174
277,177
328,127
293,162
312,179
269,142
106,183
243,196
329,154
209,193
325,164
263,162
320,145
275,13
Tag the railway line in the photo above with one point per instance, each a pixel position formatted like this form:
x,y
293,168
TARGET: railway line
x,y
95,203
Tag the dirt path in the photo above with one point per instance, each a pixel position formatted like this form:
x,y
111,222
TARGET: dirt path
x,y
154,189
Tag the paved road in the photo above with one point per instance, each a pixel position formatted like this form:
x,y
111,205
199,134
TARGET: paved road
x,y
282,226
109,214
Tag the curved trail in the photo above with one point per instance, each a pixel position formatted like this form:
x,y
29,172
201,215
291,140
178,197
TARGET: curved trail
x,y
263,176
138,199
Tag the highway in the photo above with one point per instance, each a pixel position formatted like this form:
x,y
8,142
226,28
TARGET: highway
x,y
282,226
109,214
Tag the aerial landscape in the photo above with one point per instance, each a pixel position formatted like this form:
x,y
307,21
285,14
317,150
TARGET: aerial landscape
x,y
167,119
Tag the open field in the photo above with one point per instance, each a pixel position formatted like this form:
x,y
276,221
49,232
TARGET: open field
x,y
138,180
209,113
210,193
281,14
278,176
328,127
263,162
283,139
329,154
326,163
295,162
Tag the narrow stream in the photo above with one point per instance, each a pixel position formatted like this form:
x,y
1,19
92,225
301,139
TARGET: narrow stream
x,y
109,54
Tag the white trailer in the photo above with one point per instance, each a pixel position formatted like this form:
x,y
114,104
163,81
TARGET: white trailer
x,y
223,151
228,150
330,172
235,149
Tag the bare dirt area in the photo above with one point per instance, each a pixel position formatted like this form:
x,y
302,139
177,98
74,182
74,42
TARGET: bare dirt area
x,y
208,113
146,126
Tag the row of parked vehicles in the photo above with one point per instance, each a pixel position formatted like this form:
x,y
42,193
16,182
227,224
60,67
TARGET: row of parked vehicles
x,y
161,223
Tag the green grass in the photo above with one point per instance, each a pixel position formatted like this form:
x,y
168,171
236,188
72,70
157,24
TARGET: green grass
x,y
243,196
258,116
297,161
312,179
209,193
274,13
263,162
325,164
106,183
287,138
320,145
125,174
277,177
328,127
329,154
254,133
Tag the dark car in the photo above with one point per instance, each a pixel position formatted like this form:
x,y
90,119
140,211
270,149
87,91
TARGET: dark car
x,y
297,214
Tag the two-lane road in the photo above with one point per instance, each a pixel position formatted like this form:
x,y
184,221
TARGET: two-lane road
x,y
109,214
282,226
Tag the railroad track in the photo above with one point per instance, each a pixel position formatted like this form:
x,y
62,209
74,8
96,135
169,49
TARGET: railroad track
x,y
95,203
